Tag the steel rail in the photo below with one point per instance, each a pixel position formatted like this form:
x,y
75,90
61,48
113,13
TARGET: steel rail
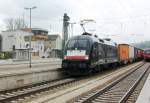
x,y
13,95
103,90
130,91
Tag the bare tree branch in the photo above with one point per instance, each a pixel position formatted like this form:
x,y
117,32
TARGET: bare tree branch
x,y
13,24
9,23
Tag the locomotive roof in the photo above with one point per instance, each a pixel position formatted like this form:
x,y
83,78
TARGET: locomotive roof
x,y
110,43
94,39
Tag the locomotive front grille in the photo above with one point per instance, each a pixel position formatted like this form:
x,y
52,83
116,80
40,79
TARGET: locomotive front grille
x,y
72,65
77,65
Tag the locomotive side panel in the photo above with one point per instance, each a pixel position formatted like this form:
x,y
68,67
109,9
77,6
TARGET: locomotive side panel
x,y
111,54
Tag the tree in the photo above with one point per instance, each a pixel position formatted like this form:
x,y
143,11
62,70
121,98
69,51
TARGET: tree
x,y
13,24
9,23
143,45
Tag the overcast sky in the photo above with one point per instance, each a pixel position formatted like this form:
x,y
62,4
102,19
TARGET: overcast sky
x,y
125,21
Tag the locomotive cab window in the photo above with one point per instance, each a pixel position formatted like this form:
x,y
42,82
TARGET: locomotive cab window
x,y
82,44
71,44
147,51
79,44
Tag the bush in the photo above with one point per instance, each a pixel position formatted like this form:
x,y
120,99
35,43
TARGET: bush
x,y
8,55
2,55
43,56
5,55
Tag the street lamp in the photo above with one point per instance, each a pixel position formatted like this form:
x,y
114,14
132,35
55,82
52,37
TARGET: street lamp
x,y
30,50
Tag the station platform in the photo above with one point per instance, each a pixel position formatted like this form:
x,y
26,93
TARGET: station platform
x,y
35,60
17,74
11,65
144,96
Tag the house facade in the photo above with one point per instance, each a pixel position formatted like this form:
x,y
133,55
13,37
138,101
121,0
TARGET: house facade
x,y
41,43
11,40
39,37
14,42
54,41
53,46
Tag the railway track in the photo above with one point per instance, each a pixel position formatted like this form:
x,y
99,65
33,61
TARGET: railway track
x,y
15,94
25,93
133,97
118,91
19,94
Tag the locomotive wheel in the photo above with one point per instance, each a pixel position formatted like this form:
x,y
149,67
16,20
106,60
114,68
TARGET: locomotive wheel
x,y
98,68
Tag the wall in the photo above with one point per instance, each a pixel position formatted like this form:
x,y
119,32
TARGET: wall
x,y
58,43
24,79
16,38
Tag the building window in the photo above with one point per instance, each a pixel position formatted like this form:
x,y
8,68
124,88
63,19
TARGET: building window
x,y
26,38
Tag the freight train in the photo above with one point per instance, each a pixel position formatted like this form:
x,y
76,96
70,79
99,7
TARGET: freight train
x,y
86,53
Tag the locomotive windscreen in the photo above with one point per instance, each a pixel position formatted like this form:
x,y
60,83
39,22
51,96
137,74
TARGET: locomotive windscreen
x,y
77,44
77,49
147,51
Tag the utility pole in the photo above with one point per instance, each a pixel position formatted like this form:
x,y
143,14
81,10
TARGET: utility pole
x,y
65,29
30,37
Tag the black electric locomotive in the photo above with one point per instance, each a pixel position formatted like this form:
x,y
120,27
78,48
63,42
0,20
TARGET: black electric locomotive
x,y
86,53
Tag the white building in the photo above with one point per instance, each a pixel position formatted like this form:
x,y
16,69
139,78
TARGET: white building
x,y
16,39
16,42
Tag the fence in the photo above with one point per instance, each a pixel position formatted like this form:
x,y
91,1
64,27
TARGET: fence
x,y
20,54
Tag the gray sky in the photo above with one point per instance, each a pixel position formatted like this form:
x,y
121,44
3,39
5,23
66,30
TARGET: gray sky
x,y
125,21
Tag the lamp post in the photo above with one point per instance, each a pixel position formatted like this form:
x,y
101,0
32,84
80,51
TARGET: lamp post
x,y
30,37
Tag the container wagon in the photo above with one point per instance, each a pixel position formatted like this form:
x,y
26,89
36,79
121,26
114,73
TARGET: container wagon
x,y
131,53
123,53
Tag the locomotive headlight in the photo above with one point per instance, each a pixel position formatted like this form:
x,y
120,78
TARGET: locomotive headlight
x,y
86,57
65,57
